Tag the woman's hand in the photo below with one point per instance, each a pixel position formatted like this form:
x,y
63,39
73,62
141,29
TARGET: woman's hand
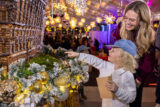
x,y
72,54
111,86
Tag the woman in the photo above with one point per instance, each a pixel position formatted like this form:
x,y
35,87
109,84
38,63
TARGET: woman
x,y
158,57
136,26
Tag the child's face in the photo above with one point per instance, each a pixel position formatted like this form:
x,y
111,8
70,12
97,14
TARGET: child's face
x,y
114,53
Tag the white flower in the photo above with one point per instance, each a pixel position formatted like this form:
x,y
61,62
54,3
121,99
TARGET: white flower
x,y
49,47
1,69
27,100
36,97
34,67
42,67
38,76
47,60
13,68
52,100
55,64
26,82
85,68
63,96
21,61
15,74
53,91
33,78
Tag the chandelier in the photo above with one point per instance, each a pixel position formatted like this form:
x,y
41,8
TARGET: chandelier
x,y
57,9
79,5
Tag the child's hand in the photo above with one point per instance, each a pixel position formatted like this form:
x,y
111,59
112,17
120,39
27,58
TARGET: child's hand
x,y
72,54
111,86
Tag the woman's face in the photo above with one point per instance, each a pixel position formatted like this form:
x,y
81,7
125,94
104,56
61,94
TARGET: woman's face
x,y
114,53
131,20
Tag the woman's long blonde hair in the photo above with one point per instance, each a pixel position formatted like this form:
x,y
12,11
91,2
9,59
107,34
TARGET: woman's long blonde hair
x,y
127,61
143,38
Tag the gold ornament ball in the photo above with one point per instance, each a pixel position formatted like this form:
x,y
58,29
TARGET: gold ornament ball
x,y
45,105
37,87
79,78
46,87
4,73
44,77
54,51
61,81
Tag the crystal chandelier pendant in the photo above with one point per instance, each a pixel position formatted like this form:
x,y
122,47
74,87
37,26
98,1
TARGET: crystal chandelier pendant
x,y
78,5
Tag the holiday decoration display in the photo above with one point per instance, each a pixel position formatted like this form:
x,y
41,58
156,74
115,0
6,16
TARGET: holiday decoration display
x,y
28,82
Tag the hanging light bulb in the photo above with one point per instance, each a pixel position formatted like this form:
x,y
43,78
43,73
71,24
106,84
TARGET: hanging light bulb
x,y
66,16
58,19
60,25
80,24
73,22
83,20
78,11
88,27
47,22
99,20
103,4
52,22
97,6
89,2
87,9
93,24
49,17
47,7
93,12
